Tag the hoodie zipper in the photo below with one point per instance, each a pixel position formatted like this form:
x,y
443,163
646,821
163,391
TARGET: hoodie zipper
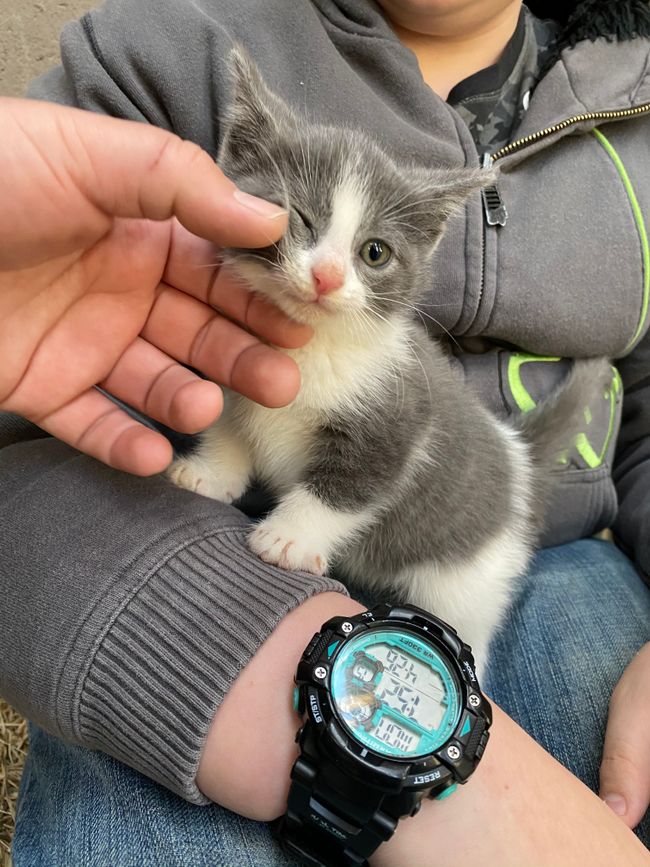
x,y
496,213
520,143
494,208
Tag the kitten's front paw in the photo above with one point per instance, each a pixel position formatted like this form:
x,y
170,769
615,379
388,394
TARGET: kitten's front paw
x,y
278,546
193,475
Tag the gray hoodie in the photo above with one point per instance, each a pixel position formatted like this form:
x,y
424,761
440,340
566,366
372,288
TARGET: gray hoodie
x,y
130,606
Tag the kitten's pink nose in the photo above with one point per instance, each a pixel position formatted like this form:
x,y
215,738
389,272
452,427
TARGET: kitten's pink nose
x,y
328,277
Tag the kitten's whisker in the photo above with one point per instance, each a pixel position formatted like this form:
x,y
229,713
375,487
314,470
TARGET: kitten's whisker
x,y
412,349
422,313
412,228
391,209
376,313
363,317
283,185
263,259
390,297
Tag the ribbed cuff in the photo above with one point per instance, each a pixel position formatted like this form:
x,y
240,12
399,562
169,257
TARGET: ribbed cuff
x,y
175,647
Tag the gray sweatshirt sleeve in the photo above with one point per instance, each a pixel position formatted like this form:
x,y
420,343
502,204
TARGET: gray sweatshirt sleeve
x,y
128,606
632,466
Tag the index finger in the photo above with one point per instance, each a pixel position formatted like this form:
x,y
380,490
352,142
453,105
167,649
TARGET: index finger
x,y
193,267
129,169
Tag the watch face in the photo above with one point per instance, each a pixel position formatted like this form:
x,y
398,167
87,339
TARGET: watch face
x,y
395,693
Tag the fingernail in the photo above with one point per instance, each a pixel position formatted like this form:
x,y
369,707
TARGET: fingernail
x,y
616,803
259,206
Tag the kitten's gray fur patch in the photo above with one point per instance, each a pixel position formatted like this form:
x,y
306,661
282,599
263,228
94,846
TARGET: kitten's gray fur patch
x,y
416,490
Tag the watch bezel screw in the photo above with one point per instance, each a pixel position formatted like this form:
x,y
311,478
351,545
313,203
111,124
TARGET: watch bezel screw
x,y
474,700
320,672
347,627
453,752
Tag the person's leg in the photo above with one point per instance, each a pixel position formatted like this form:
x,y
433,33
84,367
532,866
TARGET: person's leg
x,y
79,808
582,614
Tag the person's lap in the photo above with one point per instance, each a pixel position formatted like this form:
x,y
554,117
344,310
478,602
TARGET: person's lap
x,y
582,614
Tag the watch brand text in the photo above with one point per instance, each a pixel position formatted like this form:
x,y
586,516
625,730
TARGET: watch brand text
x,y
470,671
318,820
416,646
315,709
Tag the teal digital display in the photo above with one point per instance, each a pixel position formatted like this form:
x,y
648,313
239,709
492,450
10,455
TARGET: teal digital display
x,y
395,693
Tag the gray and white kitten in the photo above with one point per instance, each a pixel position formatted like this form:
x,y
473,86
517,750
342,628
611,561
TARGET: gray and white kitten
x,y
385,466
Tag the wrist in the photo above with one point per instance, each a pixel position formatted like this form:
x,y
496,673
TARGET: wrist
x,y
250,748
519,807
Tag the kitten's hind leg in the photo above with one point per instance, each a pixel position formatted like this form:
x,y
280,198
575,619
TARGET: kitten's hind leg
x,y
220,468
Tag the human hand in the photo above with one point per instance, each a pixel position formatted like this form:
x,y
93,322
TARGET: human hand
x,y
625,768
105,280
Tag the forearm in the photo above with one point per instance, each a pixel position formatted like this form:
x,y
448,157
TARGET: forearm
x,y
128,607
520,808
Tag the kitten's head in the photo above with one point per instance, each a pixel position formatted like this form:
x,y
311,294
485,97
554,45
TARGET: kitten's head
x,y
362,229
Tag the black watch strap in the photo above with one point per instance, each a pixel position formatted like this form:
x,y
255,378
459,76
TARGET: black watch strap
x,y
326,830
333,819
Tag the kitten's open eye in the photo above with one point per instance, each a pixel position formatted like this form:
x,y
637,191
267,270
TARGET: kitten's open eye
x,y
375,253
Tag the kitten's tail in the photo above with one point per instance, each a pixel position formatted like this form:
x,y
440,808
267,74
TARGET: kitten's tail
x,y
553,426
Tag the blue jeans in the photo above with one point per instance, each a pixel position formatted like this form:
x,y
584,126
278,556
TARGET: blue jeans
x,y
581,615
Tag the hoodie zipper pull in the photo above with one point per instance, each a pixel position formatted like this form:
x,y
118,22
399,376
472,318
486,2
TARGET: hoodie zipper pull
x,y
496,213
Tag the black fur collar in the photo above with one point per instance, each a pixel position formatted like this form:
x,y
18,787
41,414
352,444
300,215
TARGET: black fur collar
x,y
619,20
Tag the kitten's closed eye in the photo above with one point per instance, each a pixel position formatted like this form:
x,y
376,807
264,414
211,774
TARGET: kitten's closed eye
x,y
303,222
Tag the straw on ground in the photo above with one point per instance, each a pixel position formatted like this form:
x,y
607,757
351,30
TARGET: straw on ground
x,y
13,748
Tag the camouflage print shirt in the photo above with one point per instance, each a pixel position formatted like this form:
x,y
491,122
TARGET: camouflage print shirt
x,y
493,101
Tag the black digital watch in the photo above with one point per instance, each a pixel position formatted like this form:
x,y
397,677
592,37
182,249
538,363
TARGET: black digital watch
x,y
393,713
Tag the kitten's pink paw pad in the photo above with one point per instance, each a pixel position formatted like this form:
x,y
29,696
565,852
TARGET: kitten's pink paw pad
x,y
182,474
290,554
190,474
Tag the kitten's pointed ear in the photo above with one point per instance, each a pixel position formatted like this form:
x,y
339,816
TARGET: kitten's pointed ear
x,y
439,193
455,186
256,114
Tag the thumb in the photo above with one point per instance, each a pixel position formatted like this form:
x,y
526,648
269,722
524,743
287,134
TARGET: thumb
x,y
625,767
129,169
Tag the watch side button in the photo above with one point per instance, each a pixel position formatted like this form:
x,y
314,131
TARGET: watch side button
x,y
446,792
312,644
482,744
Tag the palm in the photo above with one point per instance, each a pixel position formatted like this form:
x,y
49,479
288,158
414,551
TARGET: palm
x,y
91,305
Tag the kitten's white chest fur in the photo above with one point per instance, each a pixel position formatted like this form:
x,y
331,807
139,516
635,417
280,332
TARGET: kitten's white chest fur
x,y
279,441
344,361
338,369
